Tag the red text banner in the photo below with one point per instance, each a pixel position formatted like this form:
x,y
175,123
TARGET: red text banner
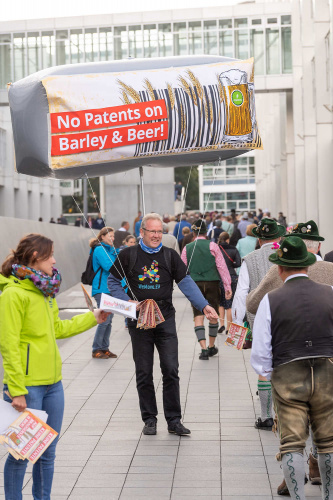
x,y
108,139
89,119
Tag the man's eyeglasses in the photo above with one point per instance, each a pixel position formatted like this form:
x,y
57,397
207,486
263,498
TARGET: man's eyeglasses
x,y
153,232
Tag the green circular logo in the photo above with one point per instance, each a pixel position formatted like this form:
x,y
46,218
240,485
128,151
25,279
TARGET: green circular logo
x,y
237,98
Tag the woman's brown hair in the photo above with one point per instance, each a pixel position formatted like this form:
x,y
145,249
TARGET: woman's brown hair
x,y
24,253
96,241
223,237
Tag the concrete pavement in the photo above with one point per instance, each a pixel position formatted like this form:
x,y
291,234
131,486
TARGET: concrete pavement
x,y
102,453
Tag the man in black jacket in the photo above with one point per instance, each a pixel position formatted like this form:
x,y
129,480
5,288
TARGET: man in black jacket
x,y
291,349
151,276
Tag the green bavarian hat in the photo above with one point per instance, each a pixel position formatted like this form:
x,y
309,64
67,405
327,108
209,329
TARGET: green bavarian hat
x,y
293,253
199,226
306,231
268,229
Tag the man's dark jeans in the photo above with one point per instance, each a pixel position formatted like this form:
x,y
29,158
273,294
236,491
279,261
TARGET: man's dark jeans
x,y
164,336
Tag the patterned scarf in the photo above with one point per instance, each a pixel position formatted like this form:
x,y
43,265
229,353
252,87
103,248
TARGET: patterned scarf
x,y
48,285
148,249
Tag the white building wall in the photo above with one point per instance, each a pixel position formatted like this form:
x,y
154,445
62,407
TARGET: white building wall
x,y
23,196
270,164
123,194
294,171
296,175
324,138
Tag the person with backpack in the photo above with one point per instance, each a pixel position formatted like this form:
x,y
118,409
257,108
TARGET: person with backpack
x,y
29,328
233,260
103,256
214,233
150,269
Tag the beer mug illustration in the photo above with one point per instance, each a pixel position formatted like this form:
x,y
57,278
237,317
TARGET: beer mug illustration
x,y
238,123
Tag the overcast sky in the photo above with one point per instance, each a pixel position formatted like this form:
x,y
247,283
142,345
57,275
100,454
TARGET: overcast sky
x,y
32,9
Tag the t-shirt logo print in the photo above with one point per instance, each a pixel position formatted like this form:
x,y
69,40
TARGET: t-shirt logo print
x,y
150,273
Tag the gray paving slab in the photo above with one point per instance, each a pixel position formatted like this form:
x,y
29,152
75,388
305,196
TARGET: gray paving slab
x,y
102,453
205,492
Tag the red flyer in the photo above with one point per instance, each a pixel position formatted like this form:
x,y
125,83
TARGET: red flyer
x,y
236,336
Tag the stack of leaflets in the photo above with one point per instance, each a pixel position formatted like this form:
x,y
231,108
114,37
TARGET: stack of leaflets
x,y
24,434
149,314
236,336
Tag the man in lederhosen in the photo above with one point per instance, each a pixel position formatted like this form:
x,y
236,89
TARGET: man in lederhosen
x,y
293,346
252,271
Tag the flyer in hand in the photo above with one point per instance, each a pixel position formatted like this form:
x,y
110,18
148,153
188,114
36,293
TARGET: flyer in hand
x,y
118,306
27,437
149,314
236,336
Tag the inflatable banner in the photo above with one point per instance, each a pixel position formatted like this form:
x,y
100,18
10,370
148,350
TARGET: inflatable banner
x,y
101,118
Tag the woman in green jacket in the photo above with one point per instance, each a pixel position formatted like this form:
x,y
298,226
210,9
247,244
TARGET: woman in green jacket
x,y
29,327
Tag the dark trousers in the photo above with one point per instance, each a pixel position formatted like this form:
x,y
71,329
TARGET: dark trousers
x,y
164,336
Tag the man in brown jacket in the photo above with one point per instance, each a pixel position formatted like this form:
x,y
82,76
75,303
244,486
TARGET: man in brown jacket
x,y
320,272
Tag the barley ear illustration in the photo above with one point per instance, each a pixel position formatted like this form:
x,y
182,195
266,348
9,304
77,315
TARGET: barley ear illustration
x,y
171,95
189,91
183,120
150,89
220,89
125,97
130,91
195,83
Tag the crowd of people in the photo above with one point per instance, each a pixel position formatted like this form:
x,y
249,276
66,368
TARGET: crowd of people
x,y
246,269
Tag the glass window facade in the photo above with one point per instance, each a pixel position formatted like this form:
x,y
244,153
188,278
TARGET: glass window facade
x,y
240,171
150,40
240,201
48,49
272,51
165,40
5,59
105,44
20,56
267,39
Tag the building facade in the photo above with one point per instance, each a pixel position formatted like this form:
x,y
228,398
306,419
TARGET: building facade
x,y
291,42
262,30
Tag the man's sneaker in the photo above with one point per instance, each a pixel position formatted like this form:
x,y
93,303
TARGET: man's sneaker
x,y
150,428
100,354
221,329
204,354
110,354
283,488
314,474
178,428
212,351
264,425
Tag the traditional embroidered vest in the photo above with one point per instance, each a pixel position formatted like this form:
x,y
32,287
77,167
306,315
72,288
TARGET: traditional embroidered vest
x,y
202,266
302,321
